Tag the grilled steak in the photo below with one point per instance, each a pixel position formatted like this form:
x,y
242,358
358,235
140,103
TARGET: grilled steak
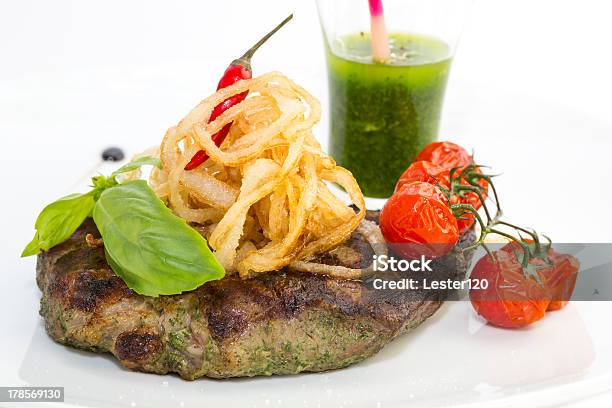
x,y
278,323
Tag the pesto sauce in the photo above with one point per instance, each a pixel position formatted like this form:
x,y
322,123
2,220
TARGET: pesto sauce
x,y
382,115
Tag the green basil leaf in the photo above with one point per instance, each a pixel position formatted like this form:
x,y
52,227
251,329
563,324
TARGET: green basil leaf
x,y
58,221
138,163
153,250
32,248
130,280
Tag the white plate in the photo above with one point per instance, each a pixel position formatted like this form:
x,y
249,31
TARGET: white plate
x,y
59,127
452,359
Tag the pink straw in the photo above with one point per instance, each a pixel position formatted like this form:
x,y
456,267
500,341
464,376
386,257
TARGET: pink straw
x,y
376,7
380,38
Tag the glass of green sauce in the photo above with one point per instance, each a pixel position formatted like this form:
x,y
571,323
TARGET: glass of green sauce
x,y
382,113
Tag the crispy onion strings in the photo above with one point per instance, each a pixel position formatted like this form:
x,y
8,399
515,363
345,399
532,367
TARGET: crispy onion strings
x,y
262,196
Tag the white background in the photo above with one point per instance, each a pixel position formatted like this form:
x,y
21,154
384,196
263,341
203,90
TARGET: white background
x,y
77,76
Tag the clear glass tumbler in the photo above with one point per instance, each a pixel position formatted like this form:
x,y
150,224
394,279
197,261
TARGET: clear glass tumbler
x,y
384,111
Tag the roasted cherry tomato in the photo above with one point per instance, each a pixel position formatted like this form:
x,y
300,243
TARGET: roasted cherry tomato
x,y
433,174
504,296
445,154
426,172
558,273
418,221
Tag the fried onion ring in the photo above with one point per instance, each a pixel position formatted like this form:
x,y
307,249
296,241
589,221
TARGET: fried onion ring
x,y
263,195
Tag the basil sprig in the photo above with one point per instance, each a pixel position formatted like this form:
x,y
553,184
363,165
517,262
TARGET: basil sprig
x,y
58,221
151,249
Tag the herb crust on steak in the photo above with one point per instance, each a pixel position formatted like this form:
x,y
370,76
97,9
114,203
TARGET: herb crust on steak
x,y
282,322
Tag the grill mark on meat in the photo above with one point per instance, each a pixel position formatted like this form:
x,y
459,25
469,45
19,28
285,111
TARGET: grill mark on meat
x,y
90,289
58,287
295,295
237,303
137,346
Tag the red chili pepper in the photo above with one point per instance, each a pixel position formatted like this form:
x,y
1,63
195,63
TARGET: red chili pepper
x,y
238,70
